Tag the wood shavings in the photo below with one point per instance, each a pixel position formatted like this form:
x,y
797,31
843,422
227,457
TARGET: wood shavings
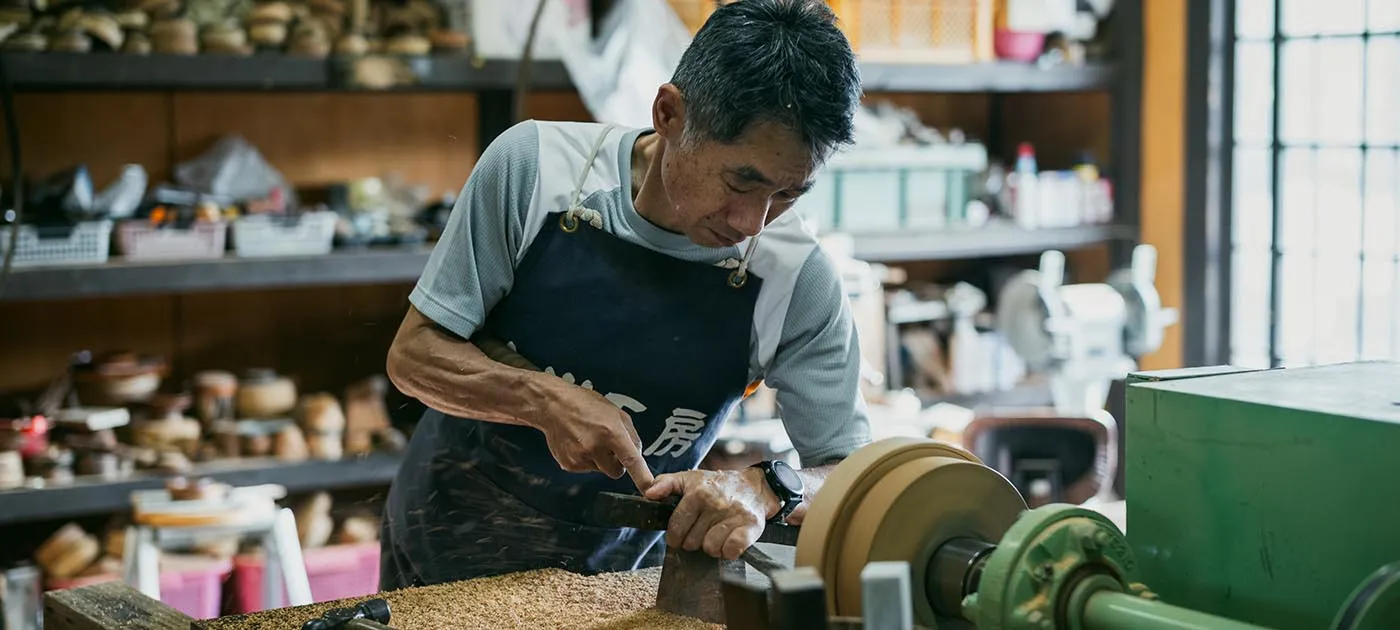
x,y
537,600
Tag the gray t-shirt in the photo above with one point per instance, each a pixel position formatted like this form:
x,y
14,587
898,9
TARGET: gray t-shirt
x,y
804,342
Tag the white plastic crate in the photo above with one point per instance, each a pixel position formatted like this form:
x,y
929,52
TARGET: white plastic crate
x,y
139,240
894,188
89,242
308,234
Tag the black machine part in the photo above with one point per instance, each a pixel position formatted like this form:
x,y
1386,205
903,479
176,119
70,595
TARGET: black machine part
x,y
954,572
369,614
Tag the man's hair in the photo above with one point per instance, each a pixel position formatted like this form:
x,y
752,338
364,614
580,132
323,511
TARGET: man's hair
x,y
778,61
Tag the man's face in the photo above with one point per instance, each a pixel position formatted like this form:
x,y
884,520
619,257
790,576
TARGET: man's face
x,y
722,194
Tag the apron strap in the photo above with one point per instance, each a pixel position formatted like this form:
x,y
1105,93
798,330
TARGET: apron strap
x,y
569,222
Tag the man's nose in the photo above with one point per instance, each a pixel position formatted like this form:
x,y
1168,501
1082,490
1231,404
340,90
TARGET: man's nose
x,y
749,218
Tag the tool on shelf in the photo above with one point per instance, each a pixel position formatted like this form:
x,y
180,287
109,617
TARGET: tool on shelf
x,y
1084,335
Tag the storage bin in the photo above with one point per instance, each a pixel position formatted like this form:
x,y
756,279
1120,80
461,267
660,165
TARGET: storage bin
x,y
87,242
191,584
909,31
335,572
894,188
307,234
139,240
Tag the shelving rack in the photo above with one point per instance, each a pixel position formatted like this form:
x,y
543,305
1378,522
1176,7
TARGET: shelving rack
x,y
493,81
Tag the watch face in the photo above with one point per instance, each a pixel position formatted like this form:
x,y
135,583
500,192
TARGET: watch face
x,y
788,477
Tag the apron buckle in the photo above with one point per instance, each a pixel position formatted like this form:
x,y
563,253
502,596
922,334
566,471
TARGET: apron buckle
x,y
568,222
738,279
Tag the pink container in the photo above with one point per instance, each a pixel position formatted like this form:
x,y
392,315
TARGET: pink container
x,y
1018,46
190,584
335,572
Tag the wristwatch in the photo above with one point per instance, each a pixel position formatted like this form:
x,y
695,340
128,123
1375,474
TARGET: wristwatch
x,y
785,484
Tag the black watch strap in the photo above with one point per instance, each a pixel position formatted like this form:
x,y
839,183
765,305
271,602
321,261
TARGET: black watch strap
x,y
785,483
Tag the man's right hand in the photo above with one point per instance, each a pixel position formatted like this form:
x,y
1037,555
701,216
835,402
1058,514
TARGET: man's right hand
x,y
586,432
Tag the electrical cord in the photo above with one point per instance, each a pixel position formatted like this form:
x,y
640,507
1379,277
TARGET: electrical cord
x,y
12,133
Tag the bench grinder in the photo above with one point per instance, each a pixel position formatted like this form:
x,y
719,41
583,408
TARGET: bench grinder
x,y
1084,335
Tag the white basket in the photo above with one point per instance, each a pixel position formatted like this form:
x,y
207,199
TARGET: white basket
x,y
310,234
89,242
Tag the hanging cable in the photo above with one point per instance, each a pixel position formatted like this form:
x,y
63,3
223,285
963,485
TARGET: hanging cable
x,y
7,101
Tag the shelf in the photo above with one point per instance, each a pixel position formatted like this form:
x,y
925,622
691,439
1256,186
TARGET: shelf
x,y
274,72
87,497
404,265
270,72
1027,395
118,277
983,242
997,77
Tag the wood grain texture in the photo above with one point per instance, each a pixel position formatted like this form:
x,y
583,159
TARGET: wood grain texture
x,y
102,130
39,337
1164,160
1059,125
109,605
319,139
323,338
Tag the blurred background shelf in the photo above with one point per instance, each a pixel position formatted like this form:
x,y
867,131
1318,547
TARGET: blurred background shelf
x,y
990,241
119,278
83,497
279,72
389,265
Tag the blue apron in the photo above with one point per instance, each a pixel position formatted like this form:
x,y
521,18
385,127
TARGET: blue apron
x,y
664,339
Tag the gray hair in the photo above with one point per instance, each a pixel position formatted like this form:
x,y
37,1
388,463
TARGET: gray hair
x,y
776,61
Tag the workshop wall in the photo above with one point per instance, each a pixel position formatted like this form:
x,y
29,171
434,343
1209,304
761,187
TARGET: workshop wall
x,y
1164,159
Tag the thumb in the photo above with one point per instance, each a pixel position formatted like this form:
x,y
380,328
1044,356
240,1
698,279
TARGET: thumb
x,y
665,486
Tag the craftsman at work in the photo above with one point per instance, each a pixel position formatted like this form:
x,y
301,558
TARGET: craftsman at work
x,y
651,277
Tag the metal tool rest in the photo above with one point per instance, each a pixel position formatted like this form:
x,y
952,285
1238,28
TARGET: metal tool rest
x,y
276,530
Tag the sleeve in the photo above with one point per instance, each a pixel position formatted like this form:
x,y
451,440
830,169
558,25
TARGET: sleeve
x,y
473,263
816,369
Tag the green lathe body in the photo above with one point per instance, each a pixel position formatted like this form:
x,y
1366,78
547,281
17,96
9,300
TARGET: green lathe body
x,y
1264,496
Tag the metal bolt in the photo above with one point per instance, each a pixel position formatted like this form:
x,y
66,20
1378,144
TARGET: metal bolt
x,y
1044,572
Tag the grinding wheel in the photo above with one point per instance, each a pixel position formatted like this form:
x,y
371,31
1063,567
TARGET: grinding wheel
x,y
822,541
911,511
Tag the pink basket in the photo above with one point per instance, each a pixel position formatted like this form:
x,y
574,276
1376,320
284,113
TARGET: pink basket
x,y
190,584
335,572
139,240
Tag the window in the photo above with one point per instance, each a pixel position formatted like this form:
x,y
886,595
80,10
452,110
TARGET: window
x,y
1315,204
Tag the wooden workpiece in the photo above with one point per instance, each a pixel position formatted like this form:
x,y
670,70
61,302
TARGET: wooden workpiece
x,y
109,605
548,598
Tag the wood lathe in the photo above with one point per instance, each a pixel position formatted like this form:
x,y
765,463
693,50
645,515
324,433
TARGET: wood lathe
x,y
1233,529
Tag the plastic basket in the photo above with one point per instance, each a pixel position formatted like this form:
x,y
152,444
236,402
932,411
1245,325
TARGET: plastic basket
x,y
86,243
918,31
335,572
909,31
139,240
308,234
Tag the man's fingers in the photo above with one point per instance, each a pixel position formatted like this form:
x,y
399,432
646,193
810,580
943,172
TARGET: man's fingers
x,y
664,486
717,535
682,521
740,539
703,524
608,465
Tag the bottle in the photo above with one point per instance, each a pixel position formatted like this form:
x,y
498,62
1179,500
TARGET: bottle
x,y
1025,196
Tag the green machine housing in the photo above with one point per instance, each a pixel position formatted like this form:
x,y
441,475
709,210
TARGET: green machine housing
x,y
1265,496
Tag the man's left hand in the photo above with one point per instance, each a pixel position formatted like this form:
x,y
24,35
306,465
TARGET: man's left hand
x,y
722,512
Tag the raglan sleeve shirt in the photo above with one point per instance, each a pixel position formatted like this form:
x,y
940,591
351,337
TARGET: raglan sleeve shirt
x,y
472,265
816,369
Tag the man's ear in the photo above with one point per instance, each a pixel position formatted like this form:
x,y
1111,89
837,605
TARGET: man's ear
x,y
668,112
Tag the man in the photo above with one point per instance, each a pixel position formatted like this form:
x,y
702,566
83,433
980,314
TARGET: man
x,y
653,276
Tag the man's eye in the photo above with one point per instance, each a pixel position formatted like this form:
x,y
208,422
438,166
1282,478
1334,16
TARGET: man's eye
x,y
737,189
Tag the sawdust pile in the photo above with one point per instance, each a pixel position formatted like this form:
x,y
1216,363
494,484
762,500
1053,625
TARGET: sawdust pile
x,y
538,600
